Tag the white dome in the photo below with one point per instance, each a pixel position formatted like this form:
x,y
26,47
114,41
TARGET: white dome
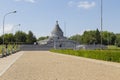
x,y
57,32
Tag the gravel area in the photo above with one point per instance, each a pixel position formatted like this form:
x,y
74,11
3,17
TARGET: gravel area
x,y
45,65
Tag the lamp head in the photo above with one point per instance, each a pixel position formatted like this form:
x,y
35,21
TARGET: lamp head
x,y
19,24
14,11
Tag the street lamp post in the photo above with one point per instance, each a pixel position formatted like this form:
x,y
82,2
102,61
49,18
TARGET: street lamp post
x,y
3,29
16,44
12,40
101,21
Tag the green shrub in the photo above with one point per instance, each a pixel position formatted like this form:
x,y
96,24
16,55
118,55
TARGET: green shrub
x,y
10,47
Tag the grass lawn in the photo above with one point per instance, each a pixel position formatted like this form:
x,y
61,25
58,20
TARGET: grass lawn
x,y
107,55
113,47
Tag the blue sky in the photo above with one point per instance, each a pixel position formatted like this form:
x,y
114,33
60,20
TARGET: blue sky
x,y
76,16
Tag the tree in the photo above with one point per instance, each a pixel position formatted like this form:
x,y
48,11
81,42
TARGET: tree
x,y
43,38
94,37
97,37
8,38
112,38
89,37
105,37
117,42
1,40
30,38
77,38
108,38
20,37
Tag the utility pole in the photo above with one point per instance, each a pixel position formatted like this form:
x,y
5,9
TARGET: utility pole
x,y
101,22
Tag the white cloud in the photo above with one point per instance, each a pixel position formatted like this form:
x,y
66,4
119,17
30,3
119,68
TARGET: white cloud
x,y
7,29
82,4
31,1
86,4
17,0
71,3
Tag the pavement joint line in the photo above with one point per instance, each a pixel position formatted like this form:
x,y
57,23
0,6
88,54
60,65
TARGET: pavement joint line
x,y
19,54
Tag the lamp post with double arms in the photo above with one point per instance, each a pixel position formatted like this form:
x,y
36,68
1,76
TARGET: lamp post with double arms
x,y
3,29
12,42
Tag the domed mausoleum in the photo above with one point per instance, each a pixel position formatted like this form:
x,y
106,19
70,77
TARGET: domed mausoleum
x,y
57,40
57,32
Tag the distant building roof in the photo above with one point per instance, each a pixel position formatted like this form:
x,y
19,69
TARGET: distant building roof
x,y
57,30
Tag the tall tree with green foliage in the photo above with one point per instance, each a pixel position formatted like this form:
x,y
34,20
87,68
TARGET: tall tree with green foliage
x,y
43,38
89,37
108,38
97,36
117,42
20,37
30,38
77,38
1,40
9,38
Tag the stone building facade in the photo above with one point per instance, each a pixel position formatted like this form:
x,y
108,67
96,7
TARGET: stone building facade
x,y
57,40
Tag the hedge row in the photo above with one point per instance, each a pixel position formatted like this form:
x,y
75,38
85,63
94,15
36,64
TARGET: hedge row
x,y
9,49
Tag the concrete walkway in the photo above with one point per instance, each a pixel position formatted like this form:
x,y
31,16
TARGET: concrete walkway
x,y
7,61
44,65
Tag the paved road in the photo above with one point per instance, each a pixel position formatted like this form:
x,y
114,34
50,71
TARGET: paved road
x,y
44,65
